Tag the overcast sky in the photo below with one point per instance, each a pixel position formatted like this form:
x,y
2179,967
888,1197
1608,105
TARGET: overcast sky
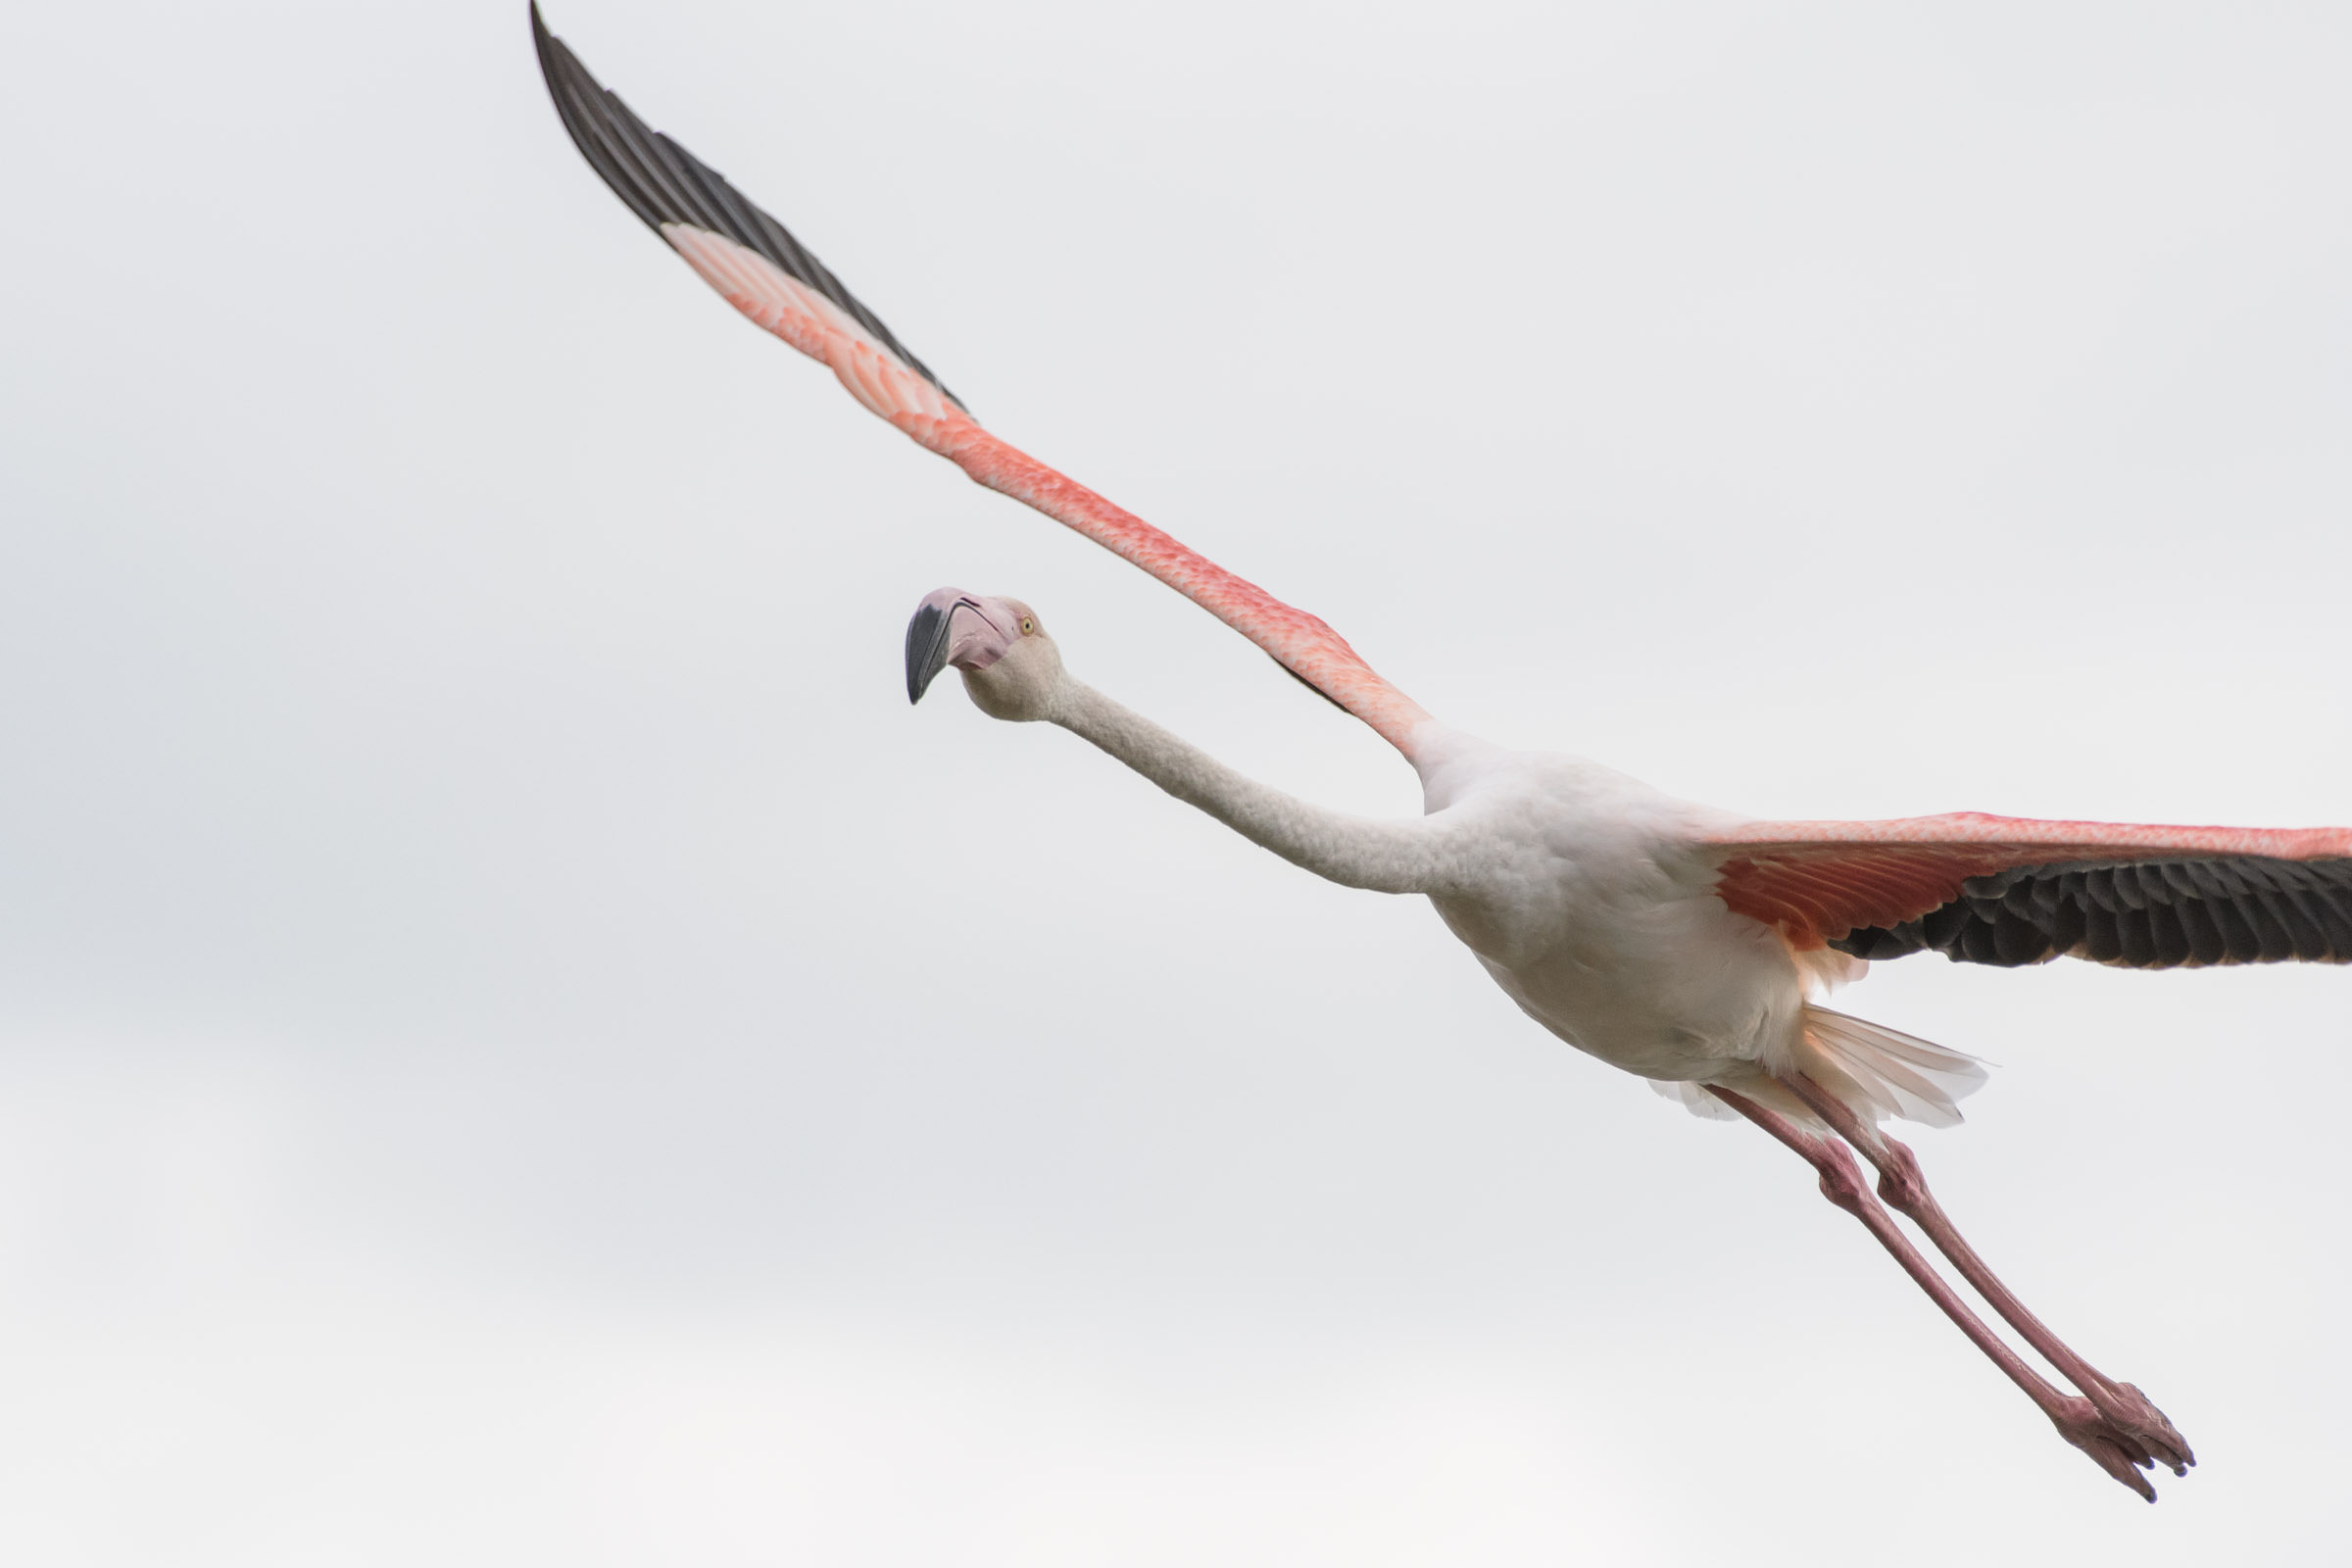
x,y
488,1071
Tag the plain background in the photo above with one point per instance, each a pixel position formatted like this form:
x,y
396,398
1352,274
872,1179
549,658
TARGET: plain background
x,y
517,1045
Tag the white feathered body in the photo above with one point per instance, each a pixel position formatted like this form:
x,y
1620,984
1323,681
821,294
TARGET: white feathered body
x,y
1591,899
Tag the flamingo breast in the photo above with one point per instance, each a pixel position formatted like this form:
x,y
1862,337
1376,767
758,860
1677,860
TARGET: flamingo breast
x,y
1582,893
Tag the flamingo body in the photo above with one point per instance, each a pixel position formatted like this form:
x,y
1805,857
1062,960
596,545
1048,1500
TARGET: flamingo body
x,y
1584,898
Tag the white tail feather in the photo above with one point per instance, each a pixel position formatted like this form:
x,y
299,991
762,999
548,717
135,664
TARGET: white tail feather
x,y
1884,1073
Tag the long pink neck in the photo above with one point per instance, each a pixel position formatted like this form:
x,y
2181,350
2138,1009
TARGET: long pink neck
x,y
1408,854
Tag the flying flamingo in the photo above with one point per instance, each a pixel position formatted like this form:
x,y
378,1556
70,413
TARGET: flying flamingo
x,y
1678,942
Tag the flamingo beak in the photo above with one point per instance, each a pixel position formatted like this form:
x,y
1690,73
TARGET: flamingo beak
x,y
950,627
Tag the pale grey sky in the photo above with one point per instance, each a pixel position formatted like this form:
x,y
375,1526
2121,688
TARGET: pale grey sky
x,y
485,1073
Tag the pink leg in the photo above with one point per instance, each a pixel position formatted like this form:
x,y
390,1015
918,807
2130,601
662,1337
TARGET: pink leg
x,y
2077,1420
1905,1190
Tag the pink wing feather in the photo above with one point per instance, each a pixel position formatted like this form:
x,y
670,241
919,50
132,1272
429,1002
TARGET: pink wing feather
x,y
757,267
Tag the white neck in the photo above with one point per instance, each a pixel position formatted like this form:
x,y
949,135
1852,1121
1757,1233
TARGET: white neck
x,y
1408,856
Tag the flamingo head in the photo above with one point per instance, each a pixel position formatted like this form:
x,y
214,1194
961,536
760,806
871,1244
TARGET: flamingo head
x,y
1010,666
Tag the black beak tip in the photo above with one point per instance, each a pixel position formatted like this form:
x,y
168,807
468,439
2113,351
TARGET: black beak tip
x,y
926,650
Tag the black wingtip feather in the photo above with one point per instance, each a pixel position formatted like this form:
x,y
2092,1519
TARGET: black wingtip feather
x,y
662,182
2151,915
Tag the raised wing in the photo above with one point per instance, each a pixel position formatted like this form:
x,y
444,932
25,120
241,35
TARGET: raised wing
x,y
761,270
2010,891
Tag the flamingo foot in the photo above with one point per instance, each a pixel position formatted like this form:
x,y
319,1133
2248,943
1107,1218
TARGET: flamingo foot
x,y
2118,1452
2134,1415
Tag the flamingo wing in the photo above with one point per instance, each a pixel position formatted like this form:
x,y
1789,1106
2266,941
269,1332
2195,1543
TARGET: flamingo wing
x,y
765,274
2010,891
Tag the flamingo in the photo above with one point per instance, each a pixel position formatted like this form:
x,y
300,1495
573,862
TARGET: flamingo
x,y
1684,944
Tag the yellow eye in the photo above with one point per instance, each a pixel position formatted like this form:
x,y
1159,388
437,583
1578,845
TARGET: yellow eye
x,y
1028,625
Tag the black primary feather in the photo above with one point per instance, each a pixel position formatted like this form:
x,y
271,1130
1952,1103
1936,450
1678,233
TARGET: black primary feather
x,y
662,182
2143,915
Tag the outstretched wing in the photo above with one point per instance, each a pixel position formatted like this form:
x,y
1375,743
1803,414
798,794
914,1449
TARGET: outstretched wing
x,y
761,270
2009,891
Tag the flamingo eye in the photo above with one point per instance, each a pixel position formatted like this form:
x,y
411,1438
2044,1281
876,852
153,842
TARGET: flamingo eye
x,y
1028,625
